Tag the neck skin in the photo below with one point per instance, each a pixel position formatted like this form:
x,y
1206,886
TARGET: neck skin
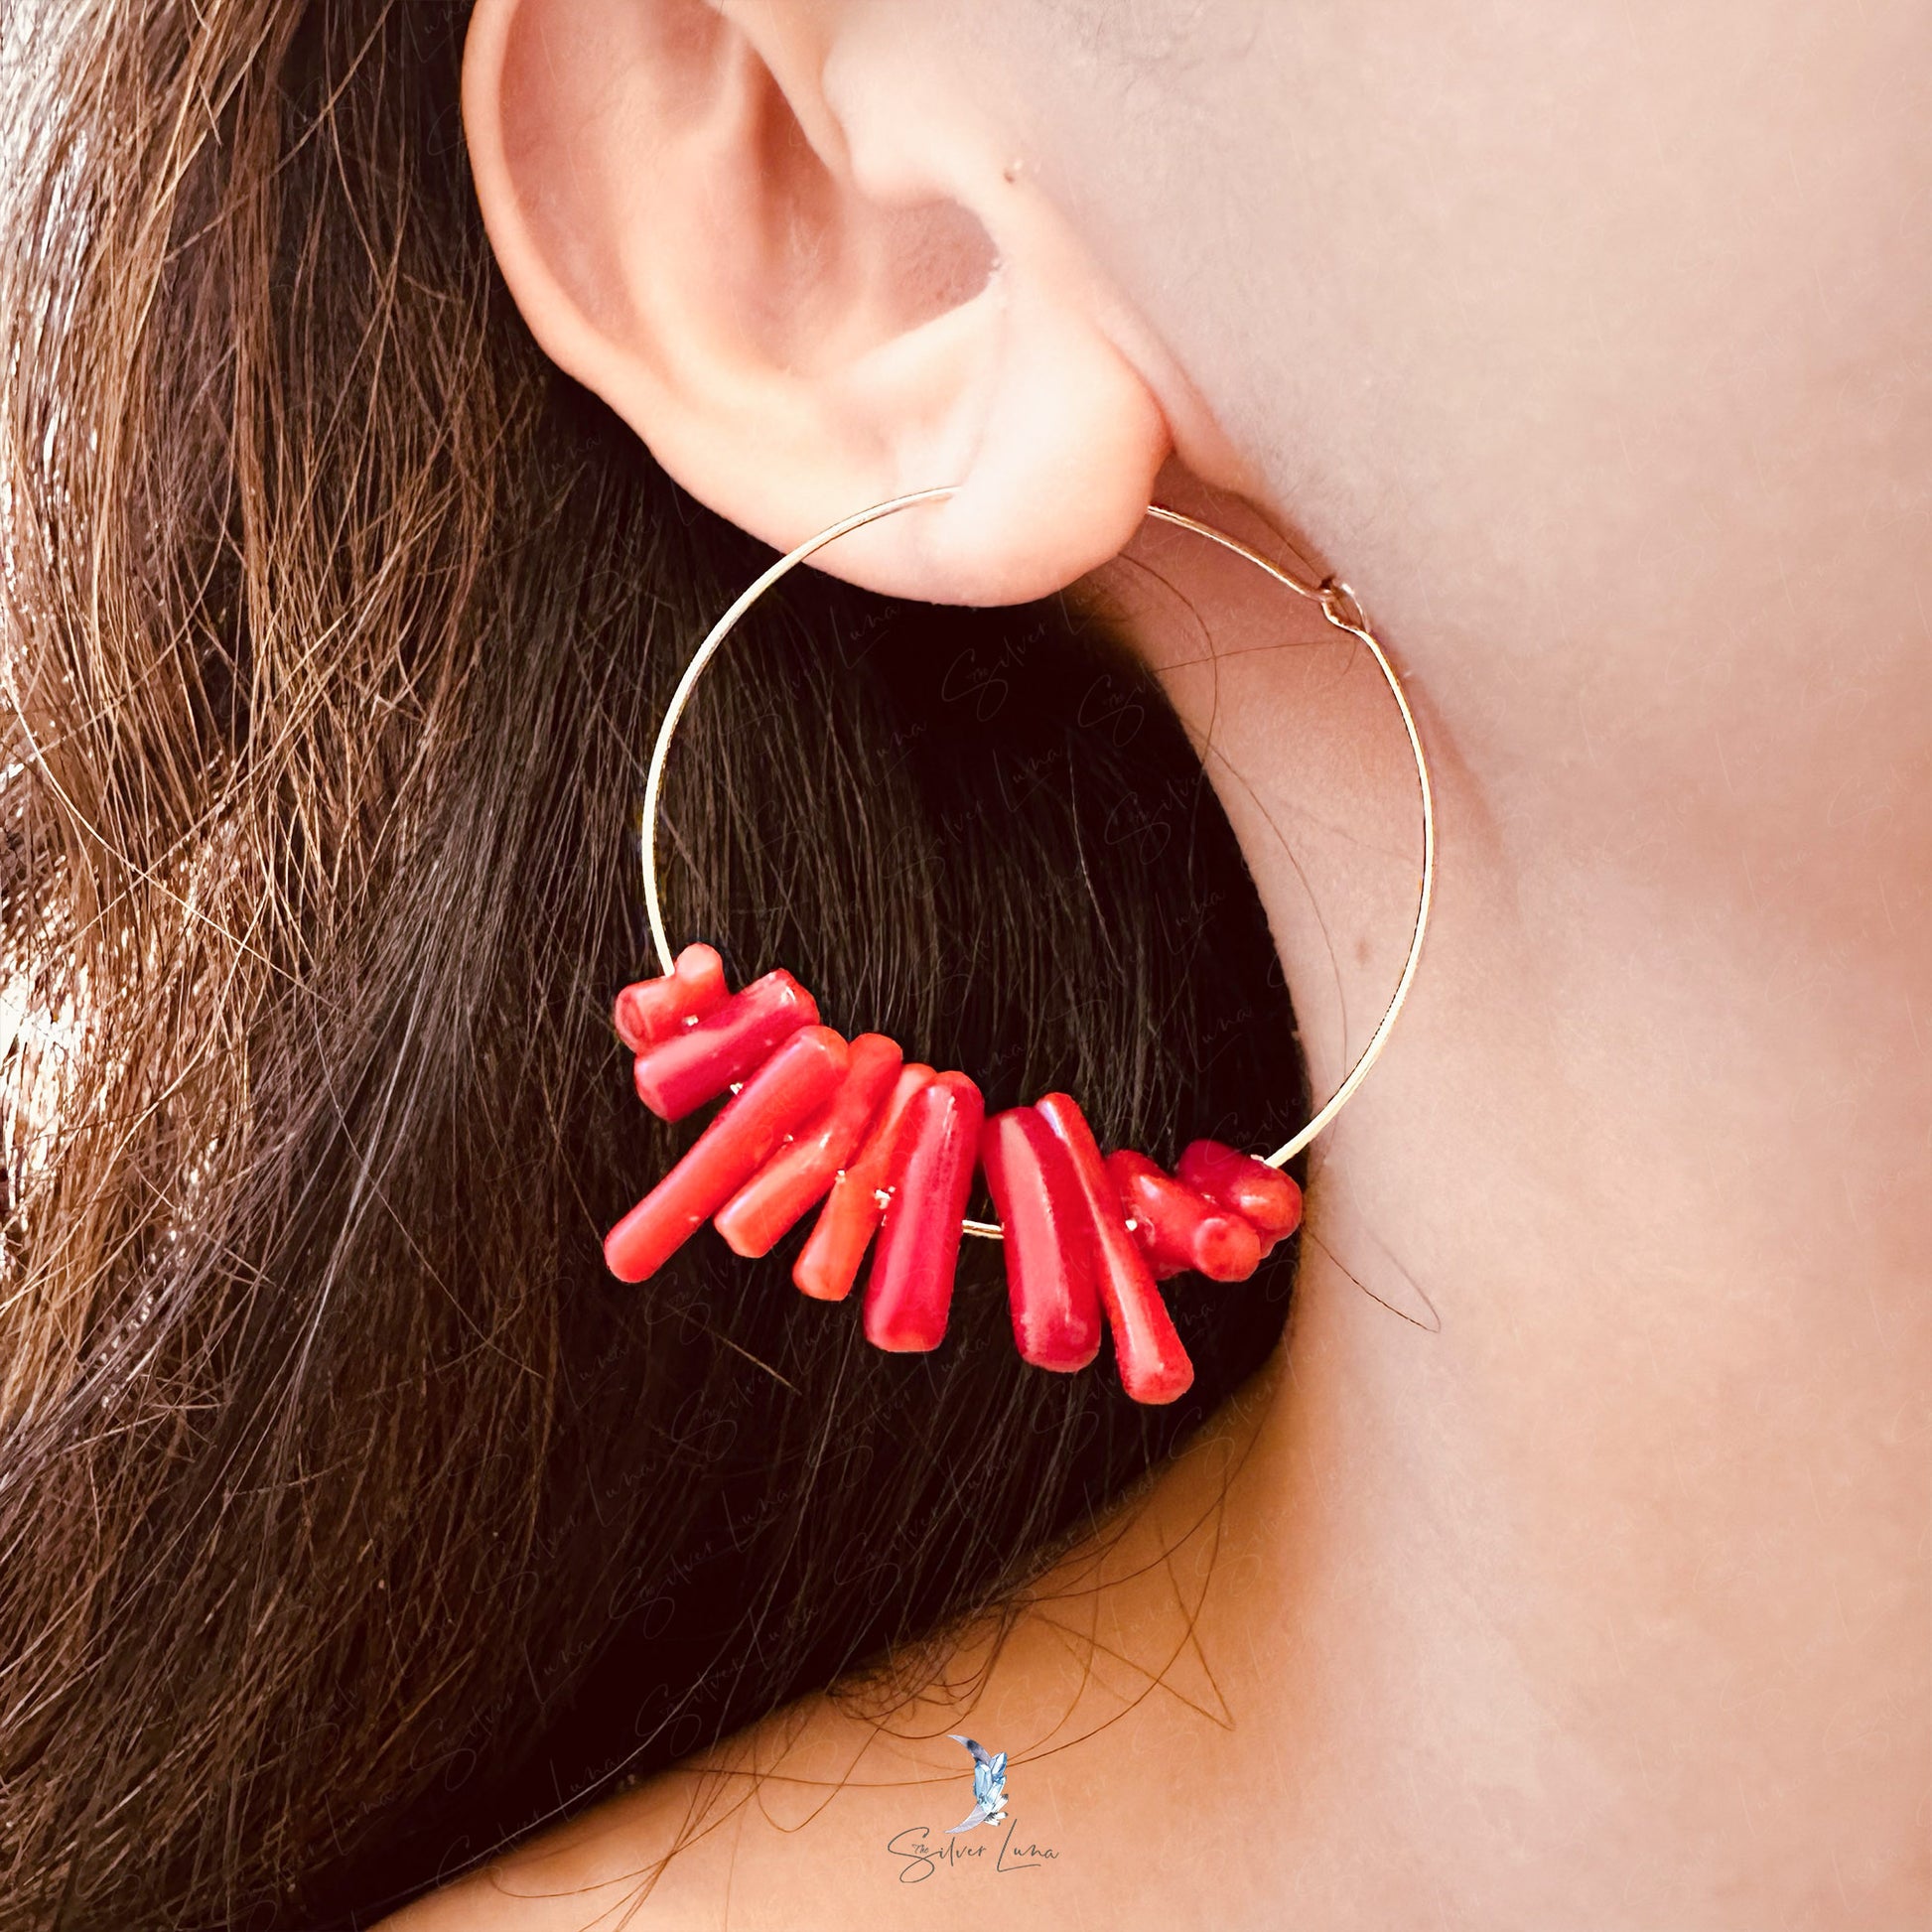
x,y
1567,1567
1606,1603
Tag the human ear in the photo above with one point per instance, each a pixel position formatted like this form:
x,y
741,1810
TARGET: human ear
x,y
810,277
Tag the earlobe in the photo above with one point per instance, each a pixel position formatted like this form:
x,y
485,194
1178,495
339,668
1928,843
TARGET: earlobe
x,y
807,297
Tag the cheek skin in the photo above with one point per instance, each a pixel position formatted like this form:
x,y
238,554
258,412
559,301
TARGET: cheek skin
x,y
1593,335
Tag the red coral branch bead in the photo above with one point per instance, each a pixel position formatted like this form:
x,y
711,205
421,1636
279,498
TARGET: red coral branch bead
x,y
1268,1199
889,1149
688,1067
791,1086
1052,1288
909,1293
1177,1227
655,1009
805,1167
1153,1364
828,1264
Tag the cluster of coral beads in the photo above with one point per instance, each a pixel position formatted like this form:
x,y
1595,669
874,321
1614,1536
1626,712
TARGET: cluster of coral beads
x,y
890,1149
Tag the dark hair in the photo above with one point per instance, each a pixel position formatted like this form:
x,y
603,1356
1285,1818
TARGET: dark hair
x,y
352,1512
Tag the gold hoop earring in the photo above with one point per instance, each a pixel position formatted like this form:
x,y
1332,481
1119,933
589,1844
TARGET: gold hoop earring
x,y
889,1147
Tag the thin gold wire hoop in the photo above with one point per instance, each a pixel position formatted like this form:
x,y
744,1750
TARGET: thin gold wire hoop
x,y
1339,607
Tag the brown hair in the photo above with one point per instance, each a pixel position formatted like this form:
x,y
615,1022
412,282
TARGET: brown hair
x,y
352,1513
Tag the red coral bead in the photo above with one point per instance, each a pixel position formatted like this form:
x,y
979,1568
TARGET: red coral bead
x,y
909,1293
1050,1286
1177,1227
1153,1363
791,1086
801,1170
696,1064
828,1264
652,1009
1265,1197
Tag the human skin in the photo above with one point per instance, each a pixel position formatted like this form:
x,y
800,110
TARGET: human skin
x,y
1594,347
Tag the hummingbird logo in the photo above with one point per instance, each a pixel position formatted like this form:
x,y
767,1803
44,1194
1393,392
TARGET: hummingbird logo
x,y
989,1785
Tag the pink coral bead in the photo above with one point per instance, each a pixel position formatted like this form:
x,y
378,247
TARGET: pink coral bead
x,y
1265,1197
1051,1291
828,1264
1148,1351
786,1091
1177,1227
698,1062
652,1009
908,1293
805,1167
